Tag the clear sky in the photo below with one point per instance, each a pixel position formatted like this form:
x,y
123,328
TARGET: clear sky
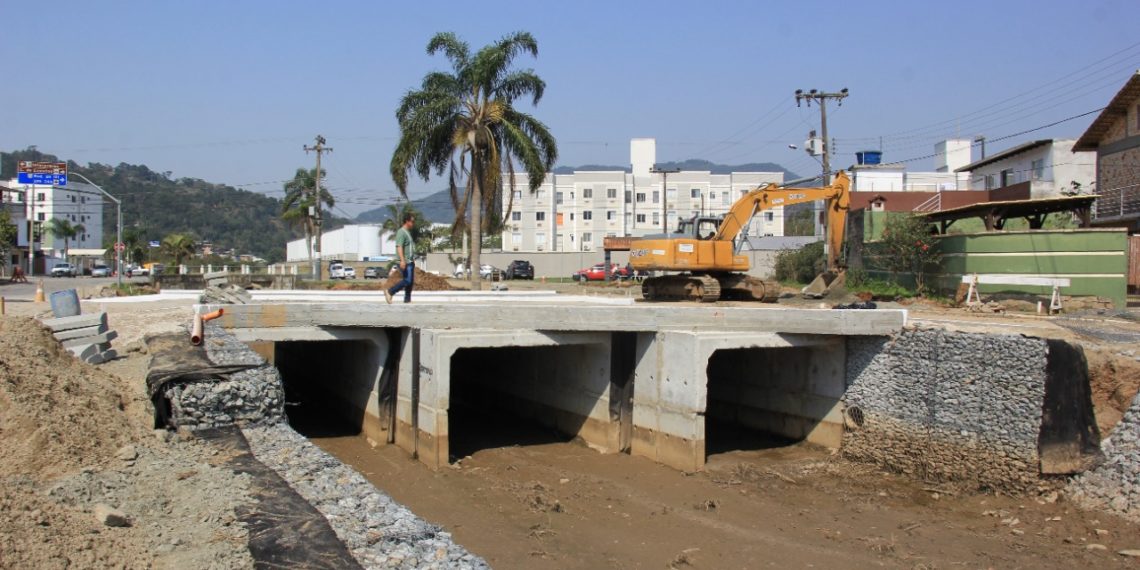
x,y
230,91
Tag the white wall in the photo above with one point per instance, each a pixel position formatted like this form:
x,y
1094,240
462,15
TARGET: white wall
x,y
349,243
1059,167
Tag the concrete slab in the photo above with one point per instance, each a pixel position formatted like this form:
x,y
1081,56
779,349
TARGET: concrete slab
x,y
80,333
76,322
101,338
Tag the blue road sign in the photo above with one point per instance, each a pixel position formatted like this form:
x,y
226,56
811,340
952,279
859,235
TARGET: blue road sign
x,y
47,173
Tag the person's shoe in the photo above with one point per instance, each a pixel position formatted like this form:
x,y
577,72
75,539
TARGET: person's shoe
x,y
388,297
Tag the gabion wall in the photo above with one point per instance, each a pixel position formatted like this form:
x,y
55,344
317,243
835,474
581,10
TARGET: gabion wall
x,y
947,406
249,397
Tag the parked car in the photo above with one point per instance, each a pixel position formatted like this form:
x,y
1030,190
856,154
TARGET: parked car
x,y
373,272
349,272
63,270
595,273
336,271
490,272
519,269
100,270
136,271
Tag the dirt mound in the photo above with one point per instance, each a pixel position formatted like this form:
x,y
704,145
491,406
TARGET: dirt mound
x,y
1115,379
424,282
57,414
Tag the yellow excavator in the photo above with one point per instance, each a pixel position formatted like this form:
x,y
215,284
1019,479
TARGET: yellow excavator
x,y
704,249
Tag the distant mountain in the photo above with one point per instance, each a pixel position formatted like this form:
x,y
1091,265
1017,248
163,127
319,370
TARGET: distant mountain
x,y
437,207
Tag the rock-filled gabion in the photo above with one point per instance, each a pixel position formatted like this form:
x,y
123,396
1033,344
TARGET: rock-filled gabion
x,y
378,531
247,397
1115,485
947,406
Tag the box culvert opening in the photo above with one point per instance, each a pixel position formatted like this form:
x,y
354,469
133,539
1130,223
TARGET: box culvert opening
x,y
327,384
763,398
509,396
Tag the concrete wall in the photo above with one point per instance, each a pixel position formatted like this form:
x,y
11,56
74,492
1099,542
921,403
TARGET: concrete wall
x,y
948,406
1095,260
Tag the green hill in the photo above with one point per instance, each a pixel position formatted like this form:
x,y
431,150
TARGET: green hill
x,y
157,205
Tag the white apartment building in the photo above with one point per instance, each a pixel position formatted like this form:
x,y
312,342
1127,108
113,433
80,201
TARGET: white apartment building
x,y
576,212
1048,166
77,202
357,242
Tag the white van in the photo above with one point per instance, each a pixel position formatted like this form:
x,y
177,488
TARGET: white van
x,y
336,271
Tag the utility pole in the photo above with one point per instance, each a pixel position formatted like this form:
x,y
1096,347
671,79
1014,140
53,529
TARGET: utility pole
x,y
822,97
664,172
319,148
981,139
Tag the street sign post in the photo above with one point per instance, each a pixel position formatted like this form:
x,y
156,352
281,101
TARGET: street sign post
x,y
47,173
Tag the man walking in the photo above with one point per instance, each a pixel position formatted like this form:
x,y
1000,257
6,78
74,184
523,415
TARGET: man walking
x,y
406,250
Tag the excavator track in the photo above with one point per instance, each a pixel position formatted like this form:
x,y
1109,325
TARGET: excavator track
x,y
683,287
738,286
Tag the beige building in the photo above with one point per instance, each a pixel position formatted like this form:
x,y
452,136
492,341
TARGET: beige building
x,y
1115,138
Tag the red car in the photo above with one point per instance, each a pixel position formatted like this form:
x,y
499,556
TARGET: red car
x,y
598,273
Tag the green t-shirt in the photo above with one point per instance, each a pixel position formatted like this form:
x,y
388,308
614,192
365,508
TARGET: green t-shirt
x,y
404,239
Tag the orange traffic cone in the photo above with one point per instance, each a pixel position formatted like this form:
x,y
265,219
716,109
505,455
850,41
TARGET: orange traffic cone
x,y
40,291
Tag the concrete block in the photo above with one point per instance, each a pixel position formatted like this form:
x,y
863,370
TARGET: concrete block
x,y
88,350
96,339
102,357
76,322
80,333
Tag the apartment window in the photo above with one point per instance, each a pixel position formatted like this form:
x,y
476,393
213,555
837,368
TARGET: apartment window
x,y
656,218
1039,169
571,216
769,216
656,196
712,196
558,197
587,237
540,195
40,196
516,216
516,239
611,215
539,216
641,197
40,216
1007,177
694,192
611,193
540,239
73,198
671,194
571,195
518,194
588,215
641,218
628,196
83,199
587,193
672,215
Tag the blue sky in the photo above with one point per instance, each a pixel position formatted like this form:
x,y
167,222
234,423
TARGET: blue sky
x,y
230,91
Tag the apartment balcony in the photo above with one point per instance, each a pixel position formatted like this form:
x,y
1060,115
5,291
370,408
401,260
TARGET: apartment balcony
x,y
1117,205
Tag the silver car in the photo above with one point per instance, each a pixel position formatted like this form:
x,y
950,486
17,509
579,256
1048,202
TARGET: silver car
x,y
100,270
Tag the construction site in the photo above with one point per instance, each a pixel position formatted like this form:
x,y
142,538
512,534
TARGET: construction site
x,y
565,426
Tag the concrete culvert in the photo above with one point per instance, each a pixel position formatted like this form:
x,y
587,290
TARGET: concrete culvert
x,y
510,396
327,384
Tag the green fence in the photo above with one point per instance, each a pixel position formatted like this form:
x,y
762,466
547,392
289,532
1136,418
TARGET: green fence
x,y
1094,260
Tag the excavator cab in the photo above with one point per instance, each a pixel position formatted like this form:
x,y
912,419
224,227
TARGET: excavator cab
x,y
699,227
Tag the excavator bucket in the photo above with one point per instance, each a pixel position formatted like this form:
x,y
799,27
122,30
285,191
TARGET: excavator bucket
x,y
824,284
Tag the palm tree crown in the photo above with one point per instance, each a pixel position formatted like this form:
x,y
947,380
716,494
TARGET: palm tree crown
x,y
465,121
64,229
298,202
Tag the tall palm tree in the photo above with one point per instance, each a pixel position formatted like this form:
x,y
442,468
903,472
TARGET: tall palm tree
x,y
178,247
465,121
421,228
297,206
64,229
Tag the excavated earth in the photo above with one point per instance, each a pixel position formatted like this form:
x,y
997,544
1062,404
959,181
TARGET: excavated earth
x,y
75,436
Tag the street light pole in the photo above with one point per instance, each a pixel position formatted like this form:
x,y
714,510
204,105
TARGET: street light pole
x,y
664,172
118,229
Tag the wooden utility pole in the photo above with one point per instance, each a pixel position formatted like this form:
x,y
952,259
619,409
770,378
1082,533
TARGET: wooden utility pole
x,y
822,97
319,148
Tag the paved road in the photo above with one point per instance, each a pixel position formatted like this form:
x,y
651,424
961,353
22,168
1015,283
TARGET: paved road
x,y
20,292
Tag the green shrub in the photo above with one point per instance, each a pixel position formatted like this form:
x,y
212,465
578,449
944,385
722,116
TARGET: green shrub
x,y
801,265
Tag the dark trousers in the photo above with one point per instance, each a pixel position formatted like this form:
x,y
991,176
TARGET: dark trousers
x,y
406,283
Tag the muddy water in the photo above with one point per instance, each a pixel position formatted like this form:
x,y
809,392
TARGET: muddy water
x,y
522,499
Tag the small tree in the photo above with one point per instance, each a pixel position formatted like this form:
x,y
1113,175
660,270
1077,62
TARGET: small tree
x,y
8,233
64,229
178,247
908,246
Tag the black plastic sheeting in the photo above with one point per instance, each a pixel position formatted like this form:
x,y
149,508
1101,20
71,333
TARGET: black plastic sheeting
x,y
174,359
285,531
1069,441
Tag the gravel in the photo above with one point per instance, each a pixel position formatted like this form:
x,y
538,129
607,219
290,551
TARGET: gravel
x,y
379,532
1115,485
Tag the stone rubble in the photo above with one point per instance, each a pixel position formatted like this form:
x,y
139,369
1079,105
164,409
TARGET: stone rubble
x,y
1115,484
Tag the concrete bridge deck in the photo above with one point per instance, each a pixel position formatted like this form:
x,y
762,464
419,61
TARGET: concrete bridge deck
x,y
626,377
